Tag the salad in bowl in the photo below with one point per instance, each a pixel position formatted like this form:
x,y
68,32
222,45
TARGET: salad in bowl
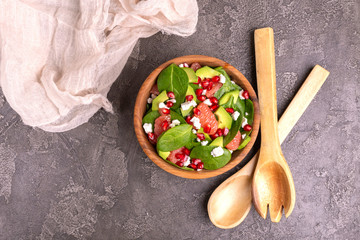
x,y
197,117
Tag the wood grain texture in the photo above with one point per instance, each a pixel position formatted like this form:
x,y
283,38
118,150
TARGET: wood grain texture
x,y
140,108
272,185
301,100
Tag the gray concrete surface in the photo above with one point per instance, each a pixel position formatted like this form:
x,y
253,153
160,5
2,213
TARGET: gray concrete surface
x,y
95,182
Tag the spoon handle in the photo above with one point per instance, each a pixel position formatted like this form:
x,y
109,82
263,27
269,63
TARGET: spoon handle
x,y
301,100
266,83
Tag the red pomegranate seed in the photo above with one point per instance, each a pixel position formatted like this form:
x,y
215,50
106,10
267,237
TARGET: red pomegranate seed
x,y
192,166
165,125
201,136
215,135
199,91
245,94
189,98
199,80
215,79
187,119
220,132
214,100
180,156
202,98
196,161
230,110
210,86
205,83
171,94
214,107
207,128
151,136
186,151
180,164
165,111
226,131
169,104
197,111
200,165
247,127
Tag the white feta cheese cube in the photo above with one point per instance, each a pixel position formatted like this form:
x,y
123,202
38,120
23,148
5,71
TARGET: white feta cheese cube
x,y
174,123
186,105
203,92
173,100
246,114
244,122
217,152
186,65
196,122
162,105
194,131
241,95
233,82
204,143
235,115
181,65
198,139
243,136
222,78
147,127
207,102
149,100
187,161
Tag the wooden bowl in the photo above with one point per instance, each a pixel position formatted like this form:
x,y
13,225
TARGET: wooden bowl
x,y
140,108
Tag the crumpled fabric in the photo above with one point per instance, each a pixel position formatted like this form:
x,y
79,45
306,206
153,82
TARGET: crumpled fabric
x,y
59,58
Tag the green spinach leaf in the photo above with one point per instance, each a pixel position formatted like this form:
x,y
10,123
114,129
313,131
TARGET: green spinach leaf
x,y
195,86
175,138
249,109
150,117
174,79
223,72
184,168
210,162
238,106
233,131
227,86
174,115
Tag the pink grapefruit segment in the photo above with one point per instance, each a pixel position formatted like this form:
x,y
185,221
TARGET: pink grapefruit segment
x,y
210,93
235,143
207,118
172,157
158,130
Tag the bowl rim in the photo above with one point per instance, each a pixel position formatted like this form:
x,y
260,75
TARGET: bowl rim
x,y
140,109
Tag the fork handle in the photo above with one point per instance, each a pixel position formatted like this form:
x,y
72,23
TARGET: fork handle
x,y
266,83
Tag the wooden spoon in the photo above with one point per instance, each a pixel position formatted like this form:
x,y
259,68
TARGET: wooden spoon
x,y
230,203
272,184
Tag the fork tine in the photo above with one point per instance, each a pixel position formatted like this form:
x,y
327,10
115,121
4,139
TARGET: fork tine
x,y
275,209
262,208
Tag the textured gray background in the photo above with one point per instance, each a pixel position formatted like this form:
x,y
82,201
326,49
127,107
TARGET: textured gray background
x,y
95,182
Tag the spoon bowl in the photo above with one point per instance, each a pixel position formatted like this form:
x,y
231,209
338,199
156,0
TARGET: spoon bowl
x,y
230,203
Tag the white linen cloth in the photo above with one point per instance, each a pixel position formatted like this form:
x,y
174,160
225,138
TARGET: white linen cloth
x,y
59,58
